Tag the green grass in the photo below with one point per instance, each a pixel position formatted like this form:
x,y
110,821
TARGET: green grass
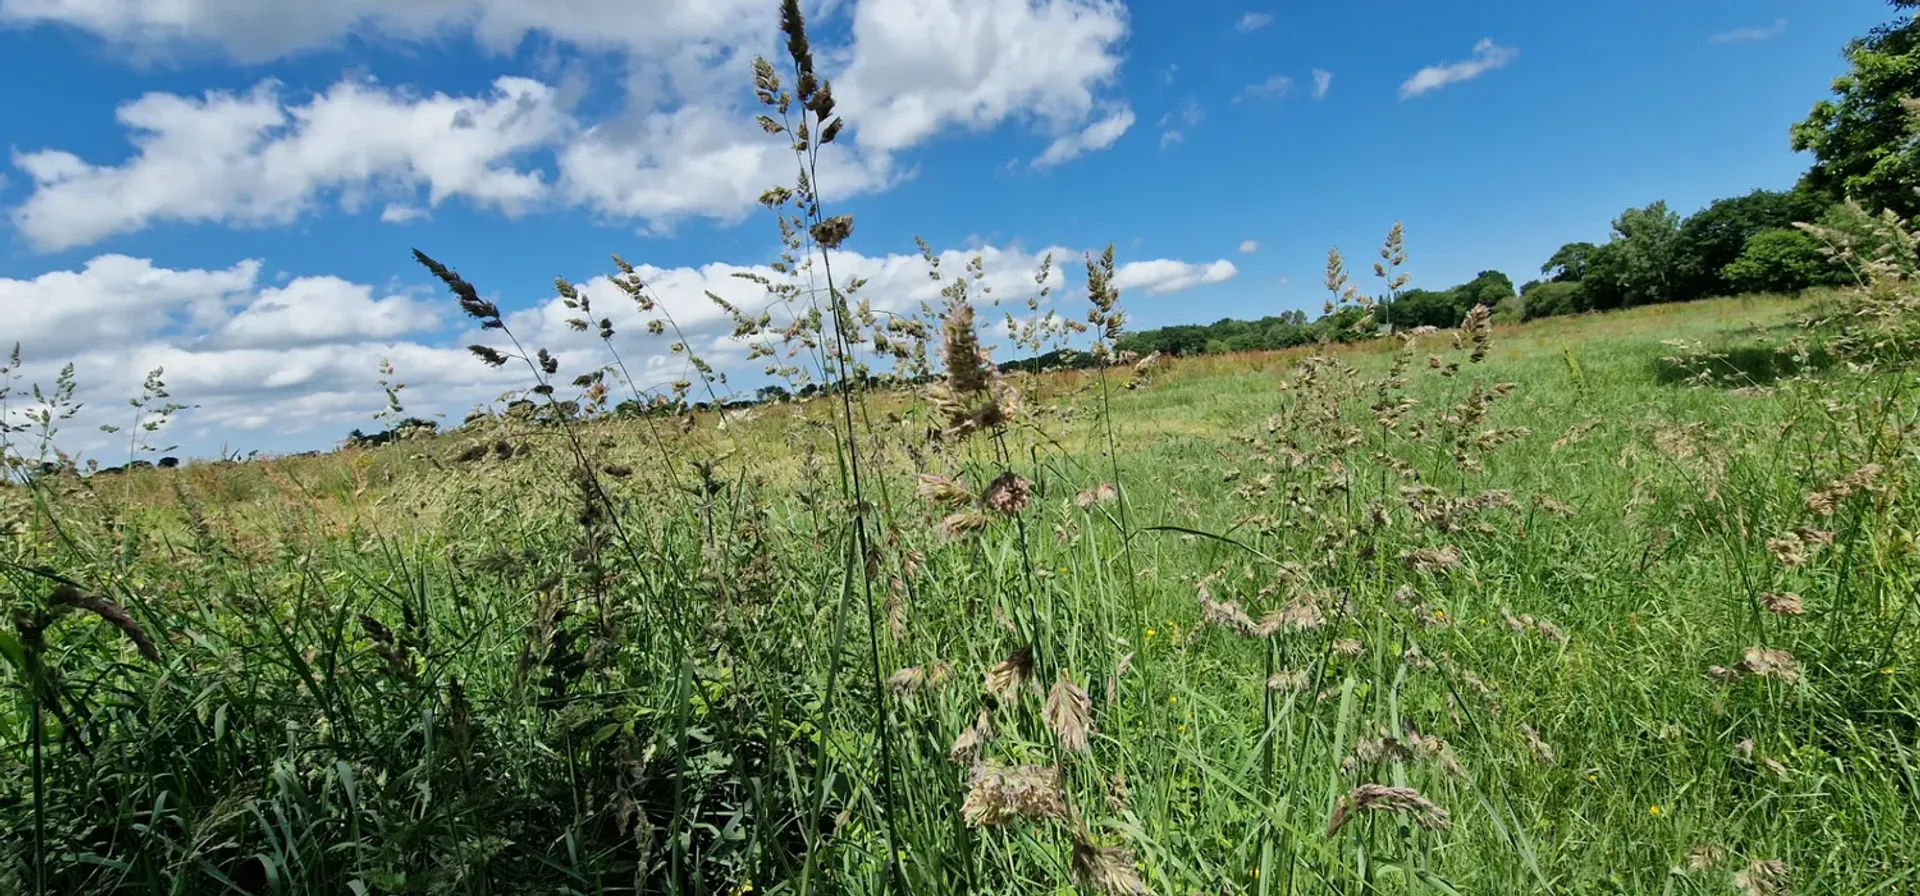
x,y
386,671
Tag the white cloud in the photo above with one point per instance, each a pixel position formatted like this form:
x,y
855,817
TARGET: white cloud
x,y
1098,135
293,366
252,160
320,310
1253,21
260,30
402,213
1248,247
1272,88
921,66
1163,276
1487,56
1751,34
1322,82
682,145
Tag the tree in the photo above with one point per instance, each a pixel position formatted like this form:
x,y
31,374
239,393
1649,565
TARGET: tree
x,y
1570,263
1643,252
1786,260
1488,289
1866,140
1716,235
1554,298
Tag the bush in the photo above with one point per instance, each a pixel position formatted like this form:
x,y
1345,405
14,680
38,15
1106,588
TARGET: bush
x,y
1779,261
1554,299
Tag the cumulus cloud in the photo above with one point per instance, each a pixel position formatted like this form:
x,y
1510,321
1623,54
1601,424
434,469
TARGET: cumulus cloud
x,y
1248,247
1751,34
681,145
295,365
921,66
1163,276
1322,82
1253,21
1098,135
261,30
252,159
1487,56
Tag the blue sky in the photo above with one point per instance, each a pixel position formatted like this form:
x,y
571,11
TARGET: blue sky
x,y
229,188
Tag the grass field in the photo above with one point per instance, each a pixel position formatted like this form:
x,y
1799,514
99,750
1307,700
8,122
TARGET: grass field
x,y
1339,621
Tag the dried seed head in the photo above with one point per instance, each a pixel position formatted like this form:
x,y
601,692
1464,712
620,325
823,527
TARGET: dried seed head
x,y
1432,560
1542,751
111,613
1292,680
1766,877
967,369
1705,856
943,490
1348,647
1770,663
1381,798
1069,713
1004,680
966,747
1783,603
1001,794
908,680
1009,494
961,525
1107,870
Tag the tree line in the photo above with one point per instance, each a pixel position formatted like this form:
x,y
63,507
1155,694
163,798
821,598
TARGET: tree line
x,y
1865,144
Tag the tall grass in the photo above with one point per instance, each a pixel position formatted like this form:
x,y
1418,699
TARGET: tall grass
x,y
1513,609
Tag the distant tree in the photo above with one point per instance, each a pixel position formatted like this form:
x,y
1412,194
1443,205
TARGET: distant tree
x,y
1866,140
1637,266
1570,263
1554,298
1488,288
1714,236
1784,260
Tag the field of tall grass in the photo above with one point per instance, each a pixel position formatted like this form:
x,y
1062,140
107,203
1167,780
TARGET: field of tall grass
x,y
1612,604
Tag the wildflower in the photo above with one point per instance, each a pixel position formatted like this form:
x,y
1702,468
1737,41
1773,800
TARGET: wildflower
x,y
1009,494
1001,794
1381,798
1151,633
1653,810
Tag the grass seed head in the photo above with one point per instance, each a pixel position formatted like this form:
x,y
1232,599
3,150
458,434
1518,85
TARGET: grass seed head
x,y
1107,870
1001,794
1069,713
1381,798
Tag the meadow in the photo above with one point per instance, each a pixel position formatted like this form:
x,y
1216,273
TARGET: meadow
x,y
1567,618
1606,603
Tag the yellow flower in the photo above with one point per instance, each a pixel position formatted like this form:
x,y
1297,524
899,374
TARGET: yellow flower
x,y
1593,779
1886,670
1483,620
1151,633
1183,729
1172,700
1653,810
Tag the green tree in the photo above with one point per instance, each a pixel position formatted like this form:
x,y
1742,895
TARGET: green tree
x,y
1866,140
1570,263
1637,266
1554,298
1786,260
1713,237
